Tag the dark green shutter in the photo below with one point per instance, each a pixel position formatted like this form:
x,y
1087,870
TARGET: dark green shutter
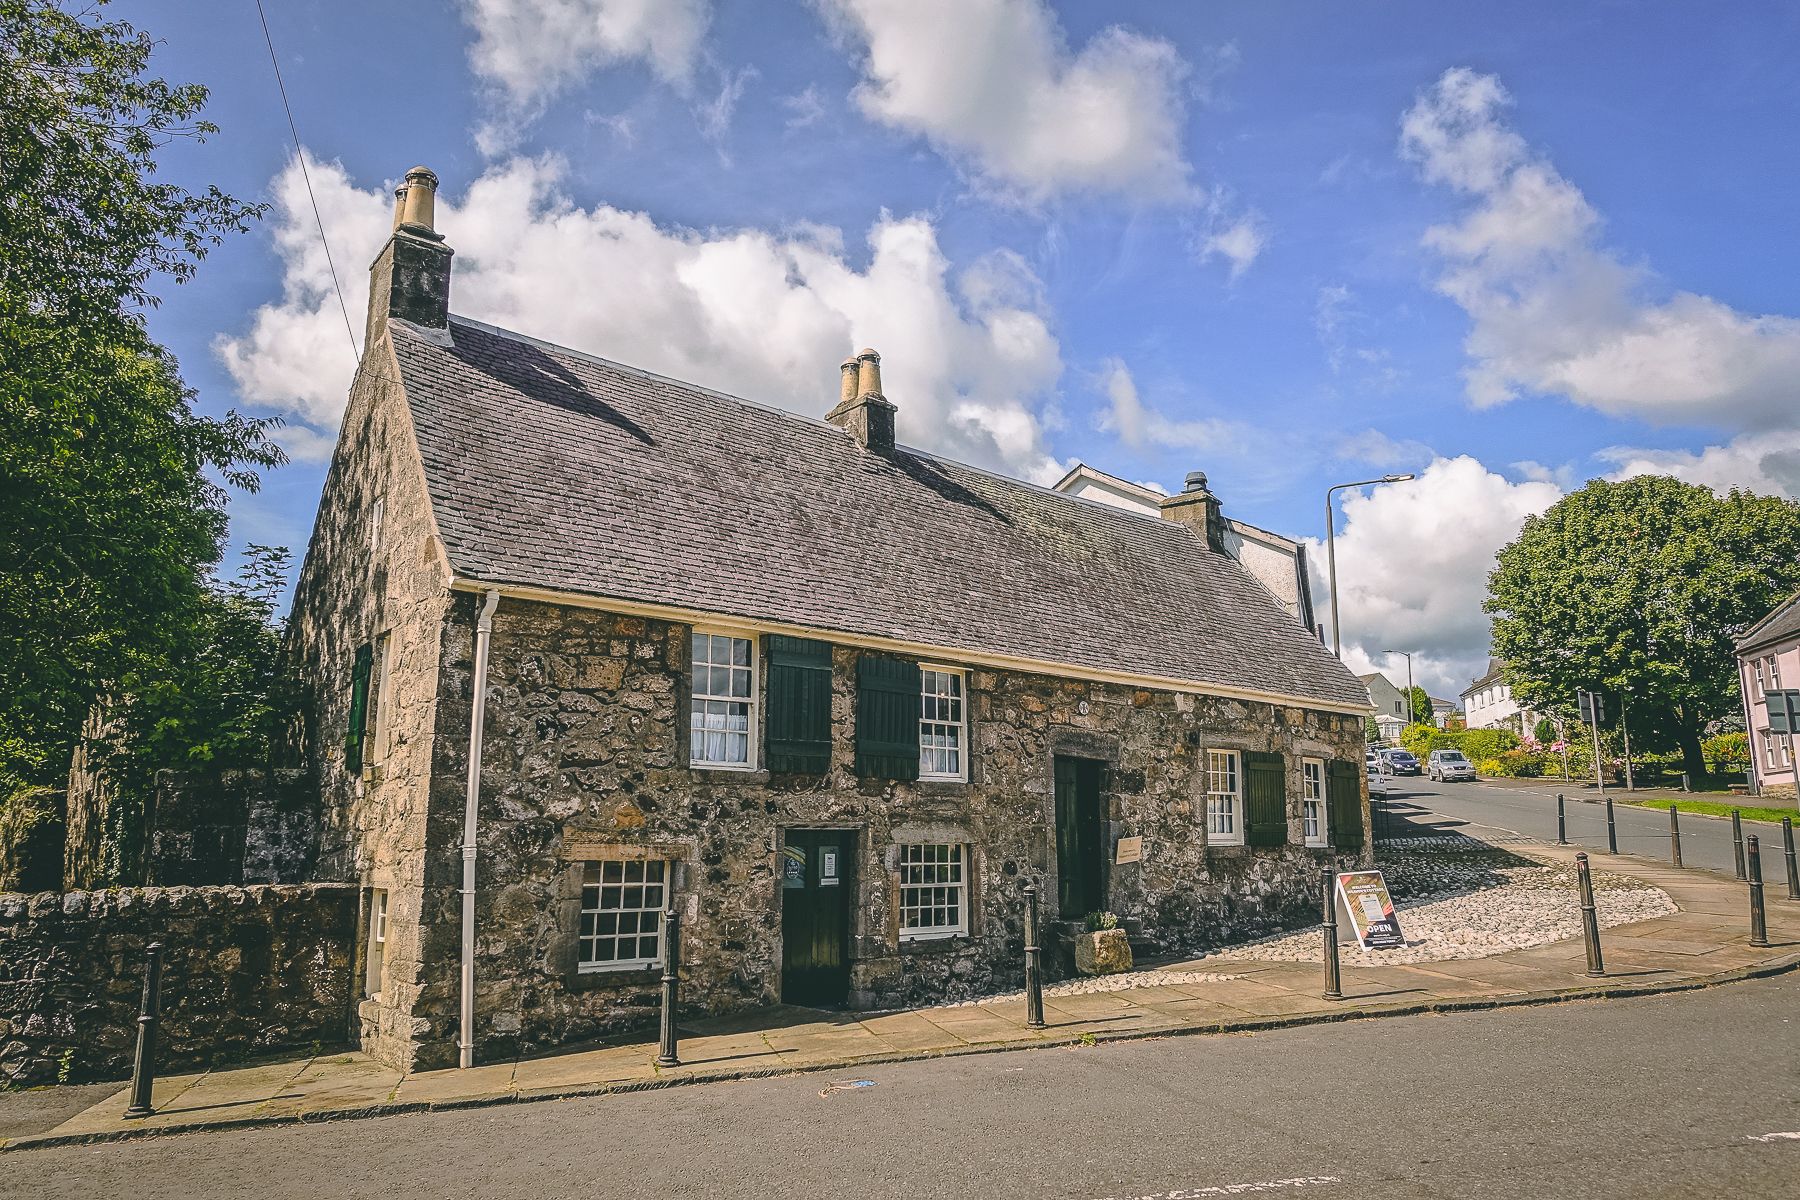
x,y
359,709
1343,795
1265,791
799,704
887,718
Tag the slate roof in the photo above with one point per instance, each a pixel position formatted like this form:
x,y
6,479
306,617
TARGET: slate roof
x,y
1778,626
555,469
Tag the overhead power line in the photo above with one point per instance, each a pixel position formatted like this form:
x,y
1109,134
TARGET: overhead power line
x,y
305,175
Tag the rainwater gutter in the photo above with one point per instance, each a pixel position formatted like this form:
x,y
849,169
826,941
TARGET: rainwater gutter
x,y
484,629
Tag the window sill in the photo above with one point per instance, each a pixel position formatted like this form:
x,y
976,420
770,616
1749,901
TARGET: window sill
x,y
593,979
1232,849
732,768
933,943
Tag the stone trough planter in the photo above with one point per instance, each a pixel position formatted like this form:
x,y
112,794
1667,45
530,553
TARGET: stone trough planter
x,y
1103,952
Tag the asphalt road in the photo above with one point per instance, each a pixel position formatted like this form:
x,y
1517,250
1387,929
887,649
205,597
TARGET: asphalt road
x,y
1705,841
1677,1095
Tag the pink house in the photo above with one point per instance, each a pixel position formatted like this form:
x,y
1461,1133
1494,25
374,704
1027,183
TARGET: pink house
x,y
1769,662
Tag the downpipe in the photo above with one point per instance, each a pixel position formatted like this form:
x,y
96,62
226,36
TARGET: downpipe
x,y
484,630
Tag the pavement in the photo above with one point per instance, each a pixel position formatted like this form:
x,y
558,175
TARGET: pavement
x,y
1704,943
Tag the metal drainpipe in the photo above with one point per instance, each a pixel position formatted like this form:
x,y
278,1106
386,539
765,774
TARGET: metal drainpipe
x,y
484,629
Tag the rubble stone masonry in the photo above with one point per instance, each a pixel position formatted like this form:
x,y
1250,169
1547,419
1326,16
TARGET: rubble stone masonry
x,y
585,756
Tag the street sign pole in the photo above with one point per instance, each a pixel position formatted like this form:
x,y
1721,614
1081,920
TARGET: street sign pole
x,y
1593,711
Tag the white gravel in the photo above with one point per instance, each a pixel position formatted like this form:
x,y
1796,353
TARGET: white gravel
x,y
1108,983
1516,905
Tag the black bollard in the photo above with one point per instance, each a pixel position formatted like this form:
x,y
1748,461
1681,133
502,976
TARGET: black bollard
x,y
1562,827
1737,841
1787,850
1334,989
1612,830
1034,974
1590,920
671,982
1759,928
143,1067
1674,835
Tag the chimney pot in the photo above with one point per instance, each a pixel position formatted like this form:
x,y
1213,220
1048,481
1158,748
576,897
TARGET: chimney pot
x,y
847,387
1197,508
1196,482
868,373
421,202
399,205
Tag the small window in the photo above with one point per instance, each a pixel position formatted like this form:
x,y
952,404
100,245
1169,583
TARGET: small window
x,y
934,895
622,913
1223,795
375,514
941,724
1312,801
724,699
1774,672
375,970
375,719
1756,665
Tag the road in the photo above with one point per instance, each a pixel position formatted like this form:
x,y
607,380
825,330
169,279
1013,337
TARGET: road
x,y
1705,841
1678,1095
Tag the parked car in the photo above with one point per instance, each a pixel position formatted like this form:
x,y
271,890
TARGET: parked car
x,y
1444,765
1401,762
1378,781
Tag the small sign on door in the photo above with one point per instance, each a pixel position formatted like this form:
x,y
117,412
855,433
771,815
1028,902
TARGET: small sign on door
x,y
828,869
1129,850
793,867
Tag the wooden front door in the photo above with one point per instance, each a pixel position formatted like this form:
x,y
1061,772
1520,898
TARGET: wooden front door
x,y
818,877
1080,837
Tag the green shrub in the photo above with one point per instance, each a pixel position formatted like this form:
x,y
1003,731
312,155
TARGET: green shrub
x,y
1493,768
1727,752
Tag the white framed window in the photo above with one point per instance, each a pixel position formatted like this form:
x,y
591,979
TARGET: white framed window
x,y
1312,801
934,891
942,724
1224,798
622,914
375,727
375,969
1774,672
1756,665
724,702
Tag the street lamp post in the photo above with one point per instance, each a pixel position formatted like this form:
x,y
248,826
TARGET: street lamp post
x,y
1337,646
1410,718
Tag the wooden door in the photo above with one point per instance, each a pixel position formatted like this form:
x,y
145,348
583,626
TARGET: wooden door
x,y
818,877
1080,838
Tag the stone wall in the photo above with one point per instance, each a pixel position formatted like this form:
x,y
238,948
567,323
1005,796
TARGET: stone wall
x,y
31,840
391,592
231,826
585,754
248,970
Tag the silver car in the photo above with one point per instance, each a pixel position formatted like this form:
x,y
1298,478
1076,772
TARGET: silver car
x,y
1444,765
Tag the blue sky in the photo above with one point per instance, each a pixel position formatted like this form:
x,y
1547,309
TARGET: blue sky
x,y
1505,247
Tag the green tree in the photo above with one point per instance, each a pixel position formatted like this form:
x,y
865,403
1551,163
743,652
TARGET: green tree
x,y
112,489
1638,589
1420,704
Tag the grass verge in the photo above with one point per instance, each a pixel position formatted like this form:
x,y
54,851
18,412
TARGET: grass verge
x,y
1715,808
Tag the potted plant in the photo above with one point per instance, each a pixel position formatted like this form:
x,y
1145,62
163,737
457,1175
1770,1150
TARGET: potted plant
x,y
1104,949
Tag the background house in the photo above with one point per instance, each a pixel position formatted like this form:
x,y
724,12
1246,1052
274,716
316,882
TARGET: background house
x,y
1277,562
1769,662
1488,703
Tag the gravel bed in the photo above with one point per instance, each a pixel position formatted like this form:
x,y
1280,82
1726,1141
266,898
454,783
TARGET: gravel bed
x,y
1473,905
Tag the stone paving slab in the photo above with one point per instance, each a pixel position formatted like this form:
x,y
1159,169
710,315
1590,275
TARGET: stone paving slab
x,y
1703,944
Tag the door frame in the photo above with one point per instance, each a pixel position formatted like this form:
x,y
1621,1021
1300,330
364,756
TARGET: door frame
x,y
1101,851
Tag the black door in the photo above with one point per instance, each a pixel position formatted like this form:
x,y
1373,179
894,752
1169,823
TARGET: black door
x,y
817,877
1080,837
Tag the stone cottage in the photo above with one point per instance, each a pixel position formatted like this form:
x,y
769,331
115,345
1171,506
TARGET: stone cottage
x,y
586,643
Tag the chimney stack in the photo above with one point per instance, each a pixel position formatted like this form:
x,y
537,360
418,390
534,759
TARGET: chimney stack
x,y
1197,508
862,410
410,278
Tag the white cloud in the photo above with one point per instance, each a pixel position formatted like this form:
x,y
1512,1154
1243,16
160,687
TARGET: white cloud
x,y
1556,312
994,84
1142,426
1412,564
1238,242
715,115
1379,450
1342,327
806,107
1768,463
533,48
760,315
